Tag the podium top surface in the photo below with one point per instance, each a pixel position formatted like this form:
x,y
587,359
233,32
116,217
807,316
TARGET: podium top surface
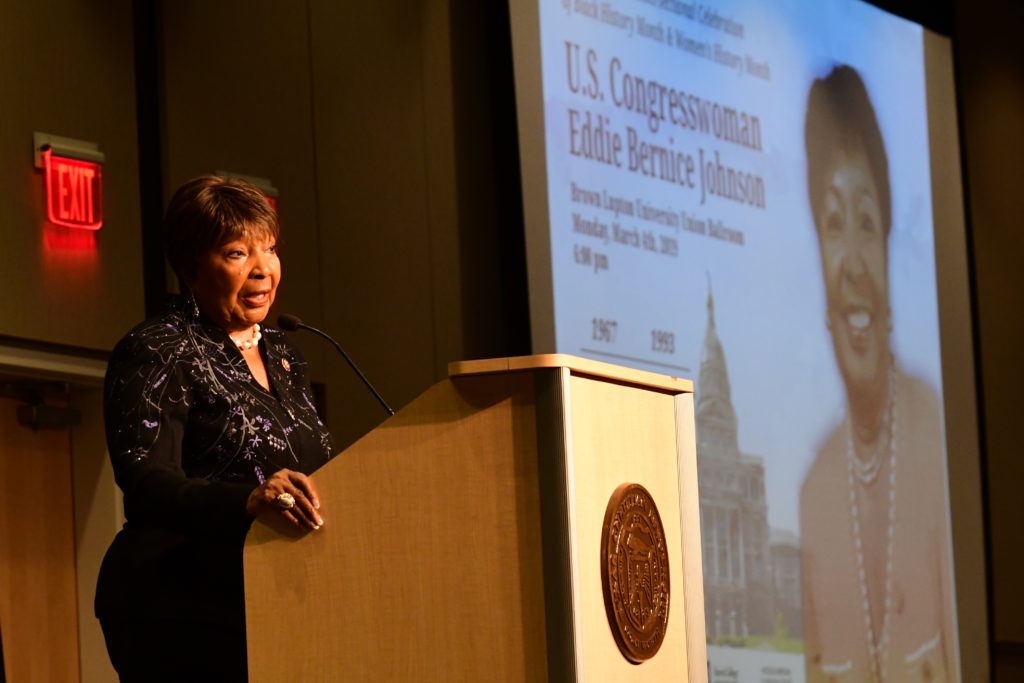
x,y
575,364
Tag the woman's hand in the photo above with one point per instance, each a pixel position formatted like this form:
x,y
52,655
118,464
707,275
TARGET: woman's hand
x,y
301,488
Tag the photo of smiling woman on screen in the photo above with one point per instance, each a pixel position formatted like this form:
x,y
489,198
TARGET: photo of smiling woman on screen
x,y
876,569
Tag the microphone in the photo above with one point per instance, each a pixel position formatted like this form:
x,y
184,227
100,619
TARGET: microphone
x,y
292,323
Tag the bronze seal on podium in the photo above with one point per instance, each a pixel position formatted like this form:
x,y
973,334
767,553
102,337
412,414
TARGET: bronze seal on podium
x,y
634,572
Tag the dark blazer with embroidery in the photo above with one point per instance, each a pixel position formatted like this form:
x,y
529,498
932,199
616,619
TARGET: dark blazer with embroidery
x,y
191,433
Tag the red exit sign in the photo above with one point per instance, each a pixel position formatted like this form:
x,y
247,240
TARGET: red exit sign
x,y
74,191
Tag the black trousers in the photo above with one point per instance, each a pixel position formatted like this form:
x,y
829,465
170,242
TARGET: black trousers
x,y
166,650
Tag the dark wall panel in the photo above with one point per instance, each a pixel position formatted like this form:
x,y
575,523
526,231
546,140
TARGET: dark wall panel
x,y
990,73
372,170
66,68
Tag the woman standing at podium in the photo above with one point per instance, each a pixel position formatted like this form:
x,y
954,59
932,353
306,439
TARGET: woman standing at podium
x,y
874,519
210,422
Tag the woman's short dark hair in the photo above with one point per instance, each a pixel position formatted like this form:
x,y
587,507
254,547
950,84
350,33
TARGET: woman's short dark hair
x,y
208,211
839,118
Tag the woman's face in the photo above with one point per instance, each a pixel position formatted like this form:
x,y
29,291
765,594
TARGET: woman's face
x,y
854,261
237,281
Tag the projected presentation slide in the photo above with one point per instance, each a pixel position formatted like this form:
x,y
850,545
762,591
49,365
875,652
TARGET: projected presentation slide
x,y
739,192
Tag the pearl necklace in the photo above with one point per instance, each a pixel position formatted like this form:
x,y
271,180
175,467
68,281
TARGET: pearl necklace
x,y
867,470
877,650
253,340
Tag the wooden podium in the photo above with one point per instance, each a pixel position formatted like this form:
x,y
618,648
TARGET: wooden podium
x,y
462,537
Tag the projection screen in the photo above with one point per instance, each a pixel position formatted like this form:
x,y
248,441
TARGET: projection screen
x,y
765,197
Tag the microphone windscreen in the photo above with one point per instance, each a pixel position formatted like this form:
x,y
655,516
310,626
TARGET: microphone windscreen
x,y
288,322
